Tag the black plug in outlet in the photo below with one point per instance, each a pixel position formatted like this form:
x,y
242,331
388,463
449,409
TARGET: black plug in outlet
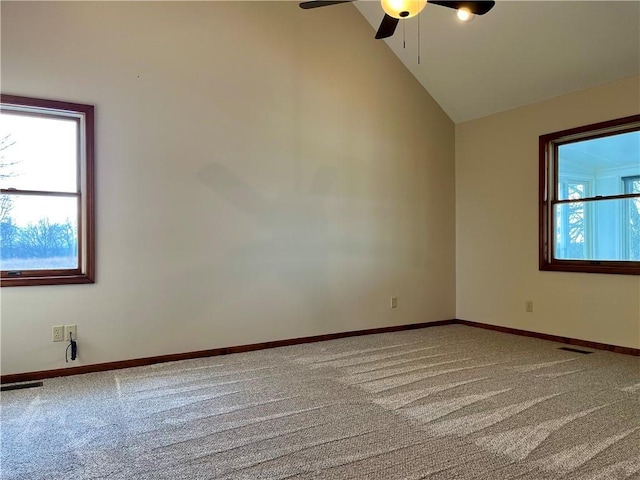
x,y
74,349
73,346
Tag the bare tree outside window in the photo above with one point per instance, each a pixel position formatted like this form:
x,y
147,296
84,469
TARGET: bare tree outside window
x,y
6,171
576,224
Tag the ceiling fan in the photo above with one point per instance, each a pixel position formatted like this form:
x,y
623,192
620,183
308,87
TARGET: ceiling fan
x,y
395,10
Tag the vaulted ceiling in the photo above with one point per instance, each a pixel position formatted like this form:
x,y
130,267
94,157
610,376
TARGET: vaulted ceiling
x,y
519,53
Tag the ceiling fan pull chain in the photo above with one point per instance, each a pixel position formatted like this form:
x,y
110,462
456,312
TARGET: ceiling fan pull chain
x,y
404,35
418,39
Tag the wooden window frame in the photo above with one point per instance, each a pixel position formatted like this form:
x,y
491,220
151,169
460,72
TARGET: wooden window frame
x,y
548,196
84,115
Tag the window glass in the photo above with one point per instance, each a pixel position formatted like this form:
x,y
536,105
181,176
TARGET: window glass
x,y
39,153
603,161
595,231
40,233
632,226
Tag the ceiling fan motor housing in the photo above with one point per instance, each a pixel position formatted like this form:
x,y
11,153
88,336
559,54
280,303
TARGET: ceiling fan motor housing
x,y
403,8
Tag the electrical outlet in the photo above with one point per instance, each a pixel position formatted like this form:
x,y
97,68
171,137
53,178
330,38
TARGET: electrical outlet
x,y
57,333
528,306
394,302
70,329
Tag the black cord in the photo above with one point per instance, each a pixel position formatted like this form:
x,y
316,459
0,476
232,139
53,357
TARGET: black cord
x,y
74,349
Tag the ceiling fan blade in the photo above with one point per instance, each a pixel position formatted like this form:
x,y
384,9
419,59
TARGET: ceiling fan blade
x,y
322,3
387,27
478,8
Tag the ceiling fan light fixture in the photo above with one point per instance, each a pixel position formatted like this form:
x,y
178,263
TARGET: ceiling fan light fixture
x,y
464,15
403,8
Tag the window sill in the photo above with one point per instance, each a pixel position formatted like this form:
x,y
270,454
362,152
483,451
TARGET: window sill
x,y
614,268
24,281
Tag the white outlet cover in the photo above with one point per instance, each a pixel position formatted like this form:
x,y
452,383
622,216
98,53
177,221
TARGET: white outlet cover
x,y
57,333
70,329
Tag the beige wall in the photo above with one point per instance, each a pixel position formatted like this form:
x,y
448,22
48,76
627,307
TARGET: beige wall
x,y
263,173
497,226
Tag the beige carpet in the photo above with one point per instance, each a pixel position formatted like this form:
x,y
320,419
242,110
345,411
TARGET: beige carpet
x,y
450,402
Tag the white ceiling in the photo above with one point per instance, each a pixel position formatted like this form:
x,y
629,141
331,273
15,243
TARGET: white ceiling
x,y
521,52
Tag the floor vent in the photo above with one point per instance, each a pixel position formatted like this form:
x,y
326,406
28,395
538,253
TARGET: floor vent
x,y
20,386
569,349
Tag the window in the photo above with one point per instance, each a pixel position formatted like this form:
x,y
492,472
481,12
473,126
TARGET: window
x,y
590,198
46,198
